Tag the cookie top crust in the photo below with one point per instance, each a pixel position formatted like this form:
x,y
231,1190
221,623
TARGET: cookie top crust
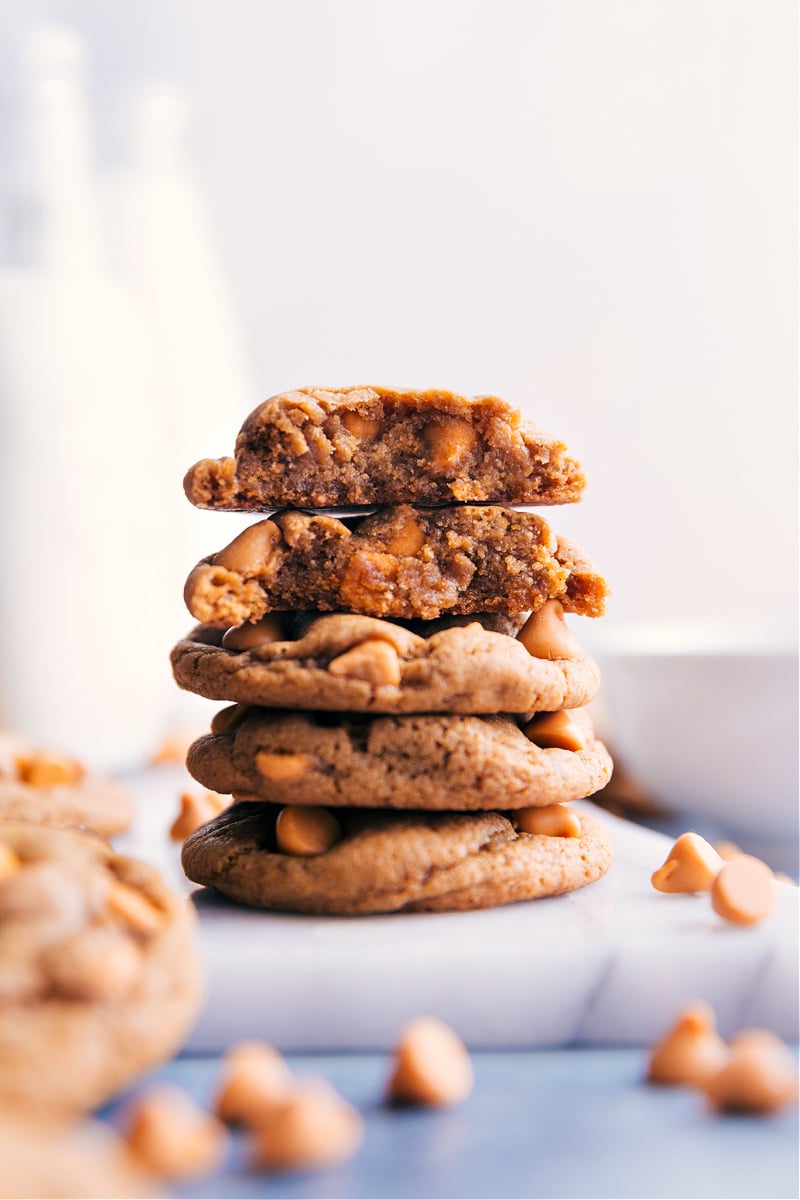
x,y
427,762
99,977
393,861
400,562
458,668
41,785
317,447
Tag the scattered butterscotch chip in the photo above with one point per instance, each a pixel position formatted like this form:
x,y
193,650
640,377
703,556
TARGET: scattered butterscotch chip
x,y
744,892
691,1052
552,820
255,1078
194,812
174,747
375,661
692,865
260,633
431,1066
311,1128
556,731
546,634
9,861
134,909
728,850
758,1077
304,831
45,770
173,1137
286,768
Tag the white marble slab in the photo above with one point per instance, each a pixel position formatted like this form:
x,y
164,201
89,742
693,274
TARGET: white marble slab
x,y
610,964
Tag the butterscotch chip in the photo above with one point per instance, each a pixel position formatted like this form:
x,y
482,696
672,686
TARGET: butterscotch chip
x,y
757,1078
174,1137
428,762
744,891
692,865
556,731
194,812
469,559
282,768
134,909
255,1079
311,1128
172,748
392,861
455,665
304,831
553,820
546,634
374,661
9,861
319,447
245,637
252,550
50,770
691,1052
95,963
728,850
431,1066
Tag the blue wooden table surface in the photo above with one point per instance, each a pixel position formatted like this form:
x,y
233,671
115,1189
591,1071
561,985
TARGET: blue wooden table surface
x,y
560,1123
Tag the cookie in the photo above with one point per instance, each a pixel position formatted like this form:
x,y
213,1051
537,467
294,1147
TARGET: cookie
x,y
99,978
457,669
40,785
456,763
370,445
399,562
392,862
72,1162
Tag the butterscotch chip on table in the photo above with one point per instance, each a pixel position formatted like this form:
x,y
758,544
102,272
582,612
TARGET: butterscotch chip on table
x,y
318,447
431,1066
454,665
38,784
692,865
172,1136
195,811
255,1078
99,980
426,762
759,1076
392,861
691,1051
744,892
465,559
312,1127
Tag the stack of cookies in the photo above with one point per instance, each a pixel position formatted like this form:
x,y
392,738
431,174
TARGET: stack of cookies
x,y
408,727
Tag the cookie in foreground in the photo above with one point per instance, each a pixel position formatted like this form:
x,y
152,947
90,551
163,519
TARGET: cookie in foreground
x,y
318,447
392,861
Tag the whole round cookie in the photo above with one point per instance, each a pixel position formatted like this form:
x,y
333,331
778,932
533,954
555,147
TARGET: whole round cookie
x,y
462,668
393,861
41,785
453,762
99,980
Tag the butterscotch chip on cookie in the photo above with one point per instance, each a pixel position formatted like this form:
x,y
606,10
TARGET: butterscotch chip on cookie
x,y
425,762
454,667
99,978
392,861
372,445
37,784
399,562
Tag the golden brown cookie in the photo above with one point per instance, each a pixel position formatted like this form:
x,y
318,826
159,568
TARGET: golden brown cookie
x,y
372,445
42,785
399,562
99,978
461,668
392,861
456,763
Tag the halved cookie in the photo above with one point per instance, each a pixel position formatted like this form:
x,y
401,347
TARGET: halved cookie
x,y
393,861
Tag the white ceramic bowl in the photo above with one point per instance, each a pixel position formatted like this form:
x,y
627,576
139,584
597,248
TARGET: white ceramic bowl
x,y
706,717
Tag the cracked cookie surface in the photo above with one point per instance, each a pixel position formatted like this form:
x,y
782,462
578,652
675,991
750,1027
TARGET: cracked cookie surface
x,y
400,562
459,668
391,862
434,762
317,447
99,980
